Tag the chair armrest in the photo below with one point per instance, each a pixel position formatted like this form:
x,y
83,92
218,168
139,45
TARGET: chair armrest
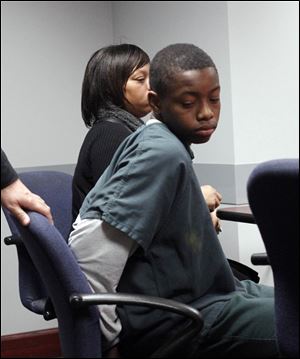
x,y
169,347
80,300
260,259
13,239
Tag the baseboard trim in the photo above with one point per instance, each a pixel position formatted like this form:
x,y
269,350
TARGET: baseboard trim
x,y
36,344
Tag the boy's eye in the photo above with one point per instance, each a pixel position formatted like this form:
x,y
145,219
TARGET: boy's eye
x,y
214,99
187,104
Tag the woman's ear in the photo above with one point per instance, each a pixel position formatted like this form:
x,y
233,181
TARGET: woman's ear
x,y
154,101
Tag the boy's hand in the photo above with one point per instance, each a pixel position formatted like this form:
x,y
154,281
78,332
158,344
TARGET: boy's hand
x,y
212,197
216,221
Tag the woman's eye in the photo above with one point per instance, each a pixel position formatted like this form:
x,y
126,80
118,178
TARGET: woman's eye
x,y
140,79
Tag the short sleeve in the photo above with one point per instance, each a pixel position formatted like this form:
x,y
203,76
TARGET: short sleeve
x,y
138,197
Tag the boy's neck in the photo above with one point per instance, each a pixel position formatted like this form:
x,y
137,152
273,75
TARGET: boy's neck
x,y
154,119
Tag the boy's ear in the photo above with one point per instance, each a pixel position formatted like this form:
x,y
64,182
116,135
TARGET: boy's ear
x,y
154,101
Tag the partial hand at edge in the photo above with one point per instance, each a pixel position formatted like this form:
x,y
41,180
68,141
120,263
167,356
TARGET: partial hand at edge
x,y
16,197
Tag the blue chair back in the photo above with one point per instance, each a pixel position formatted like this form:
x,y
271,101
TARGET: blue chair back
x,y
56,190
273,193
48,270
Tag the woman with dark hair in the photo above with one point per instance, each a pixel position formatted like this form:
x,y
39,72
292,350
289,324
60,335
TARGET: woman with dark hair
x,y
114,97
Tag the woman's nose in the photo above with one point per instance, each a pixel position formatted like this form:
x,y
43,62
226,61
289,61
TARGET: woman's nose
x,y
148,83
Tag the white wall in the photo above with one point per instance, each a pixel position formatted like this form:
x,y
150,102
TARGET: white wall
x,y
45,47
264,67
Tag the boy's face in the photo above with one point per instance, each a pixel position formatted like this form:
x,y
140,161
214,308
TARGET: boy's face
x,y
191,108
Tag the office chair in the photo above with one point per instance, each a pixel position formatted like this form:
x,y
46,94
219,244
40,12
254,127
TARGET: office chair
x,y
52,283
273,193
56,189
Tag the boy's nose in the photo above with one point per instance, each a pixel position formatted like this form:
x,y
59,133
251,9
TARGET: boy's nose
x,y
205,113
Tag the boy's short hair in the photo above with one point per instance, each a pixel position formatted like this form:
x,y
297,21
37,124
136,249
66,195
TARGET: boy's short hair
x,y
173,59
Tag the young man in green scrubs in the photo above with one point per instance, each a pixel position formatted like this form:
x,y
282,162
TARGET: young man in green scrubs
x,y
145,227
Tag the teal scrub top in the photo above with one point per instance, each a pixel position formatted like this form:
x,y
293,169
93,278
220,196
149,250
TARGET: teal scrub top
x,y
151,193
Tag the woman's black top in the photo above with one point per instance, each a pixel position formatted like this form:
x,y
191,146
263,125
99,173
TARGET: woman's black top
x,y
100,144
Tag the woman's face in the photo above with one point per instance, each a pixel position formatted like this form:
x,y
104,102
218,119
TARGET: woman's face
x,y
136,92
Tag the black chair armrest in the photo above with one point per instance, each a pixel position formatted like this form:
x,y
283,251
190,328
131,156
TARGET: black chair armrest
x,y
80,300
169,348
260,259
13,239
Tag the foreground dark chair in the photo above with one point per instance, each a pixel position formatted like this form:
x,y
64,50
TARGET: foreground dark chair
x,y
273,193
56,189
52,283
